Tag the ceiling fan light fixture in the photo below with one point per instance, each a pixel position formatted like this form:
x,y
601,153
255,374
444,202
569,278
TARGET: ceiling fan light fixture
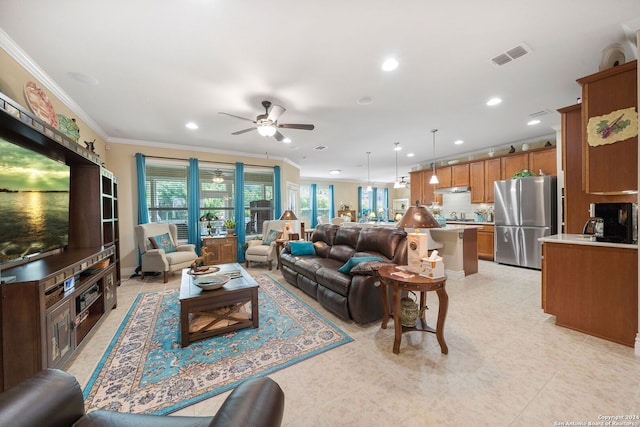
x,y
217,177
266,129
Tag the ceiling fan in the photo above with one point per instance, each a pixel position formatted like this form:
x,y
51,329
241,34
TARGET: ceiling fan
x,y
267,123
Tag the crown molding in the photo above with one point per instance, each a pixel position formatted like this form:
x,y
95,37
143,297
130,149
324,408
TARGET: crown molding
x,y
20,56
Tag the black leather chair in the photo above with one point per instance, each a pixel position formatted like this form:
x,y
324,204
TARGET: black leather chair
x,y
53,398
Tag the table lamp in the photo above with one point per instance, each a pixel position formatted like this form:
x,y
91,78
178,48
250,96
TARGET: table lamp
x,y
417,217
288,216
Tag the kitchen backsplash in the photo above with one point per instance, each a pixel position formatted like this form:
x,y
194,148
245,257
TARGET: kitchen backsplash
x,y
460,202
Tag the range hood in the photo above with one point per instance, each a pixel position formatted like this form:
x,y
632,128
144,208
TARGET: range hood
x,y
447,190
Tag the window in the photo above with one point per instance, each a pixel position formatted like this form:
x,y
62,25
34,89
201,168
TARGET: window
x,y
305,202
216,198
166,186
258,198
323,201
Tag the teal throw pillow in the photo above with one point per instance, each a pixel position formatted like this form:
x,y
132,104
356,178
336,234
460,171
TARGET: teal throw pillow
x,y
271,237
301,247
163,241
353,261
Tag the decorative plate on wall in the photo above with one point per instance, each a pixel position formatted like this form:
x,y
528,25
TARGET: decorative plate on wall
x,y
68,127
40,104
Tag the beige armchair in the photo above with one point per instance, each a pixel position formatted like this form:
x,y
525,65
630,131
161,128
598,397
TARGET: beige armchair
x,y
264,250
162,254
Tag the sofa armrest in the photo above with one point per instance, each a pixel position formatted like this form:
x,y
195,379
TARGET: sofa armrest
x,y
258,403
154,253
187,247
49,398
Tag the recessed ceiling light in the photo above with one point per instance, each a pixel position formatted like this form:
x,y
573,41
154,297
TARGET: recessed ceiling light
x,y
458,142
390,64
191,126
410,154
533,122
335,171
494,101
365,100
287,140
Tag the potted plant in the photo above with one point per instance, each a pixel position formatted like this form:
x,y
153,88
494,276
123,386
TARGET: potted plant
x,y
230,225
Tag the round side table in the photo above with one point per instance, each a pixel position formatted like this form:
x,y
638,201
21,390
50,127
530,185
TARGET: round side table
x,y
392,277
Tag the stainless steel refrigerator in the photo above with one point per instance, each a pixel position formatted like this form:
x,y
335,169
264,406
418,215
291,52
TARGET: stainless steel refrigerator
x,y
525,210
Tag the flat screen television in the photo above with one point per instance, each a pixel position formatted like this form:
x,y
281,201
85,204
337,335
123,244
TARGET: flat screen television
x,y
34,204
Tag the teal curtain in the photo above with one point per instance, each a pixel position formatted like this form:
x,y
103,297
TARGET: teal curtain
x,y
193,203
277,193
385,204
143,209
332,209
374,201
239,209
359,213
314,205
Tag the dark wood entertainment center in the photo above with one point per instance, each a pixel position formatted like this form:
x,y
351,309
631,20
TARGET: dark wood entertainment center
x,y
56,302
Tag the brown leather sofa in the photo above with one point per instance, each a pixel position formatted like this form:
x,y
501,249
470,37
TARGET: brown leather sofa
x,y
354,296
53,398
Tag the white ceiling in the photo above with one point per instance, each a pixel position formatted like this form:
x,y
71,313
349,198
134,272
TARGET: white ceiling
x,y
163,63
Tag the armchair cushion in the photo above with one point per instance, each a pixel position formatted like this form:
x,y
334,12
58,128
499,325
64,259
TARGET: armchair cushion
x,y
270,237
163,241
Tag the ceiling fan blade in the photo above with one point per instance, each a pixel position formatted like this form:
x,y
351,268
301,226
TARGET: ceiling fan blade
x,y
242,131
278,136
276,112
296,126
237,117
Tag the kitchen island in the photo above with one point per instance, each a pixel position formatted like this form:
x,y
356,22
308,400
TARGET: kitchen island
x,y
459,248
591,286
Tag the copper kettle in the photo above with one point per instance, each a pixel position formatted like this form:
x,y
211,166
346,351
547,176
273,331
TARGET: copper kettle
x,y
594,225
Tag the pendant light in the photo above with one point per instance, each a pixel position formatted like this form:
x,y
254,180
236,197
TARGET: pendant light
x,y
434,178
397,184
368,173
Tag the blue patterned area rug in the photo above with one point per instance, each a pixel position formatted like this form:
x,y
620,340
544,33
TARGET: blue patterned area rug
x,y
145,370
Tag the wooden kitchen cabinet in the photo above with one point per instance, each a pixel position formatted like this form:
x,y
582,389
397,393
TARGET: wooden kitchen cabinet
x,y
460,175
513,163
221,250
603,93
476,172
421,189
444,177
485,242
543,160
592,289
492,173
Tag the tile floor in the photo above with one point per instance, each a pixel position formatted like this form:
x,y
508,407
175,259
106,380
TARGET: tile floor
x,y
508,364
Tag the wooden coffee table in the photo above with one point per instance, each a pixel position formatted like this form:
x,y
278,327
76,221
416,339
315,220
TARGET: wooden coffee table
x,y
207,313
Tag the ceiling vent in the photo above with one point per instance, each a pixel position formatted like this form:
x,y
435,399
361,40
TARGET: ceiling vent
x,y
320,148
539,113
512,54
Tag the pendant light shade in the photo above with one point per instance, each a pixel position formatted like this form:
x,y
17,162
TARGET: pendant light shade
x,y
434,178
397,184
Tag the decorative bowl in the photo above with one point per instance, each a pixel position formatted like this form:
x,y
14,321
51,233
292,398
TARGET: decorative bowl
x,y
211,282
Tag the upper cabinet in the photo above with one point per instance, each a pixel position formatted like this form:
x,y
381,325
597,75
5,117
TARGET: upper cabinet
x,y
513,163
543,162
476,170
609,111
460,175
444,177
492,173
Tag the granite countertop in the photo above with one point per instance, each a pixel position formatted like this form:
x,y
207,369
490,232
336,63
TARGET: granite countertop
x,y
584,239
469,222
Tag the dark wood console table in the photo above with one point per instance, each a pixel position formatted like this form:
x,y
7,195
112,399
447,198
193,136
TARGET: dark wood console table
x,y
418,284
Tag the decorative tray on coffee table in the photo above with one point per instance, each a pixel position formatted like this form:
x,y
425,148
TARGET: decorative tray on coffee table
x,y
202,271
